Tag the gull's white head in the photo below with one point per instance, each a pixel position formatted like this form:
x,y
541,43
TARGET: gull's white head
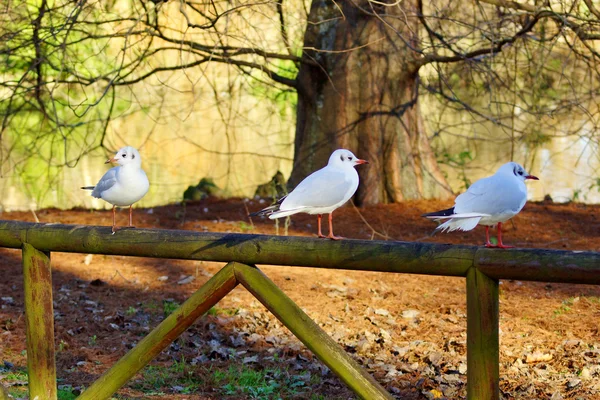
x,y
126,155
517,170
343,158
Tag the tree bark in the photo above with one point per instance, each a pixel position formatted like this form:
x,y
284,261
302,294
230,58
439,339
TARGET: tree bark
x,y
364,96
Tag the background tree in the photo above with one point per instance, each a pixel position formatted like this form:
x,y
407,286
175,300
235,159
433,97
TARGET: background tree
x,y
363,71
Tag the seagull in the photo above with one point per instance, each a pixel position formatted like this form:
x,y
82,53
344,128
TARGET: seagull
x,y
123,185
489,201
321,192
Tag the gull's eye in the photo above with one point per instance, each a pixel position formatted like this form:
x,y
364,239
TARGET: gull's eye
x,y
520,172
350,158
124,155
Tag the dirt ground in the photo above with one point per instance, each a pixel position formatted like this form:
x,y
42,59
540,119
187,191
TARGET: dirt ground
x,y
408,330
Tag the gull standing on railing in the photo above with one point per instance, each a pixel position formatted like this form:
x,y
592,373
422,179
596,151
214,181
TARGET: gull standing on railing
x,y
321,192
489,201
123,185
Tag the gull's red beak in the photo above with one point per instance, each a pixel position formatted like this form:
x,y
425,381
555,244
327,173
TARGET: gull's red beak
x,y
535,178
359,161
113,160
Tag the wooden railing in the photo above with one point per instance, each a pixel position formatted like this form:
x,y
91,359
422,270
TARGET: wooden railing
x,y
481,267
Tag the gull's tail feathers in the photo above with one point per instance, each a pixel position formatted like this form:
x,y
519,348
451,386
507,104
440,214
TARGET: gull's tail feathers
x,y
285,213
462,222
268,211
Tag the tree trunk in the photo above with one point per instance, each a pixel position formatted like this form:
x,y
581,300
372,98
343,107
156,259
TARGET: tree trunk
x,y
364,96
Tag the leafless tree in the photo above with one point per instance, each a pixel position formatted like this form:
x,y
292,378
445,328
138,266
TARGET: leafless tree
x,y
361,70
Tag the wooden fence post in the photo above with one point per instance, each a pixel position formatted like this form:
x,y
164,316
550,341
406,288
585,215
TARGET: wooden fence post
x,y
483,372
39,319
3,393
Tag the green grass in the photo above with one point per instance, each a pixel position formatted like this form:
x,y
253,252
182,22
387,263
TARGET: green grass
x,y
222,311
21,391
19,374
235,381
564,307
245,227
66,394
169,307
180,373
268,383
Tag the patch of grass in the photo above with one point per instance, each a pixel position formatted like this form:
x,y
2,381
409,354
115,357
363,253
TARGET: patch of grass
x,y
169,307
66,394
564,307
179,374
237,381
246,227
62,345
18,392
14,376
223,311
152,306
131,310
242,381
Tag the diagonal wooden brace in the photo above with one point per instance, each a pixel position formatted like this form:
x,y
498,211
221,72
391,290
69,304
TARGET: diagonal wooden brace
x,y
305,329
163,335
331,353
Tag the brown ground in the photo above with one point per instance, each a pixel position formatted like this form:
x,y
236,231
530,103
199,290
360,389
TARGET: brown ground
x,y
408,330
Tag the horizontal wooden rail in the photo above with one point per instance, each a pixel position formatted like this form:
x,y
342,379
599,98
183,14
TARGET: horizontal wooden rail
x,y
389,256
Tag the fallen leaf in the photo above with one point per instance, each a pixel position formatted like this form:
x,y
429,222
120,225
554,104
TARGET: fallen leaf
x,y
410,314
538,357
573,383
186,280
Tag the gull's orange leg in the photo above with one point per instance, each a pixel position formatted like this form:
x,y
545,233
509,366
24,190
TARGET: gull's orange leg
x,y
319,216
500,244
487,237
331,235
114,227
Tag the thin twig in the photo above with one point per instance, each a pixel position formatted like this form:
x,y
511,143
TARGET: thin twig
x,y
248,215
373,231
35,217
121,275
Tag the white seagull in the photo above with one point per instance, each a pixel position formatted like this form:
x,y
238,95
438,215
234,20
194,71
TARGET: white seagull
x,y
321,192
489,201
123,185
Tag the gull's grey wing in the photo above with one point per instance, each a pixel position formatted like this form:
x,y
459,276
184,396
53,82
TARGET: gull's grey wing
x,y
106,182
323,188
492,195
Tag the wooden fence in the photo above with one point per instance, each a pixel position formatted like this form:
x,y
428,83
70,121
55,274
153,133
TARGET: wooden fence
x,y
481,267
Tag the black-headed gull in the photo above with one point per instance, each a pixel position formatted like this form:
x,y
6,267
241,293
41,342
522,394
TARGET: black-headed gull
x,y
321,192
489,201
123,185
